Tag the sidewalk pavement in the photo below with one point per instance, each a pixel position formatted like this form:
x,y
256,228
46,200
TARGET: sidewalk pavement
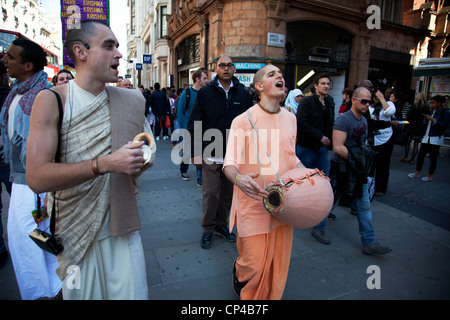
x,y
412,218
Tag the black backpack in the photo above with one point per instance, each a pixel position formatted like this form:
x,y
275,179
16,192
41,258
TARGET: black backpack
x,y
188,99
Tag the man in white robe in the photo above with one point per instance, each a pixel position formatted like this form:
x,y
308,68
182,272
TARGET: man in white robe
x,y
96,210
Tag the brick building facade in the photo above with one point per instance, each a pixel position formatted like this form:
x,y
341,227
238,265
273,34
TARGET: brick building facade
x,y
306,36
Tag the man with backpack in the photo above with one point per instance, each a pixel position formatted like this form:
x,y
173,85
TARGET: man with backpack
x,y
185,105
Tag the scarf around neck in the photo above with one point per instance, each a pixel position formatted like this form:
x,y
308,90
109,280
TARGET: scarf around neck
x,y
29,90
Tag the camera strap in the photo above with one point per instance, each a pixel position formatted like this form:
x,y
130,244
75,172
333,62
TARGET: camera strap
x,y
57,159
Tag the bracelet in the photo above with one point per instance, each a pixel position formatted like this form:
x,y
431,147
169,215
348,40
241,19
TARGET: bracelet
x,y
235,182
94,163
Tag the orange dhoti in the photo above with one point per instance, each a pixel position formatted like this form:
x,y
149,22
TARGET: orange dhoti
x,y
264,243
264,262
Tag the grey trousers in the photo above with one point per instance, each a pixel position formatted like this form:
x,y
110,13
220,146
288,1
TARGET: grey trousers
x,y
217,194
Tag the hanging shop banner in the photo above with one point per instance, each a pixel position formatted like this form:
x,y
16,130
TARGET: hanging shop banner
x,y
75,11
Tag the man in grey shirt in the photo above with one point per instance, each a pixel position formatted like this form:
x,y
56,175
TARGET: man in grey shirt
x,y
351,130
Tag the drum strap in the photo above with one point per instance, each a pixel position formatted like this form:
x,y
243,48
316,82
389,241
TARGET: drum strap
x,y
265,149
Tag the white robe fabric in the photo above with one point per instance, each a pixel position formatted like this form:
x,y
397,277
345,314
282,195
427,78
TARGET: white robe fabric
x,y
34,267
113,268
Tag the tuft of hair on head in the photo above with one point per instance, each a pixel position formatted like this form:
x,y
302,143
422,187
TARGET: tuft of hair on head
x,y
82,32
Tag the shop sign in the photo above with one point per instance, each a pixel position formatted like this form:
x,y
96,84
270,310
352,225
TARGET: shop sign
x,y
248,65
147,58
440,84
245,78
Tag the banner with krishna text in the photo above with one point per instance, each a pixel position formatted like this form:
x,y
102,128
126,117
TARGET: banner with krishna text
x,y
75,11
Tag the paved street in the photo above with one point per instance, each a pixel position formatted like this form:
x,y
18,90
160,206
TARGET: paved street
x,y
413,218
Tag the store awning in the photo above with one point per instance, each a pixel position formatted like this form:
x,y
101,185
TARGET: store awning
x,y
431,70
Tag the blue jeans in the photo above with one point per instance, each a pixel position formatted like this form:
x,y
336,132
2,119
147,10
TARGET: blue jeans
x,y
4,177
315,159
364,214
185,166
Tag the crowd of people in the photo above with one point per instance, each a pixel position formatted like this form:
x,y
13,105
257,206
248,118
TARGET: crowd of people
x,y
73,139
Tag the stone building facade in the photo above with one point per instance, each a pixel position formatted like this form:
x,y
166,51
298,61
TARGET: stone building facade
x,y
147,43
29,18
380,40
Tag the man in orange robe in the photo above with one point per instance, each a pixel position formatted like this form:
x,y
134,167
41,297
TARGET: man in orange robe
x,y
264,243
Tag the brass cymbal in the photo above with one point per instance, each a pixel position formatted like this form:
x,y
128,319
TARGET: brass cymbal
x,y
148,144
146,137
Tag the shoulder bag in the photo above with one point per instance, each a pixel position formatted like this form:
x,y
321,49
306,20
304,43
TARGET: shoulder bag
x,y
48,241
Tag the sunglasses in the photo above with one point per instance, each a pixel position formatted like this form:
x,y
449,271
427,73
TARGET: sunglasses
x,y
226,65
364,101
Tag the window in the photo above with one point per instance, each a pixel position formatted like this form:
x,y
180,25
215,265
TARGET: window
x,y
305,47
390,10
387,8
162,21
5,14
132,16
188,51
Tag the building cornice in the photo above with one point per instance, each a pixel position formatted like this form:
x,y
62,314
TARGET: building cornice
x,y
349,14
195,17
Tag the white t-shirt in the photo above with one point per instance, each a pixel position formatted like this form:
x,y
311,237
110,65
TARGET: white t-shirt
x,y
78,98
11,111
385,134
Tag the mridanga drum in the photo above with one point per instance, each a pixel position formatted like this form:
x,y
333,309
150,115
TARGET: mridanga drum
x,y
302,200
148,144
301,197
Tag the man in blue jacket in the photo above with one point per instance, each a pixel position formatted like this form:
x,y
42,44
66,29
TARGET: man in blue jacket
x,y
185,105
437,122
217,104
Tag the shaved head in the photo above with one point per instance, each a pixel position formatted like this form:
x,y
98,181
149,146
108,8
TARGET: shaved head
x,y
260,74
358,91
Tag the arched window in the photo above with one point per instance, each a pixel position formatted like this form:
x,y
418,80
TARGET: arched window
x,y
312,43
188,51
